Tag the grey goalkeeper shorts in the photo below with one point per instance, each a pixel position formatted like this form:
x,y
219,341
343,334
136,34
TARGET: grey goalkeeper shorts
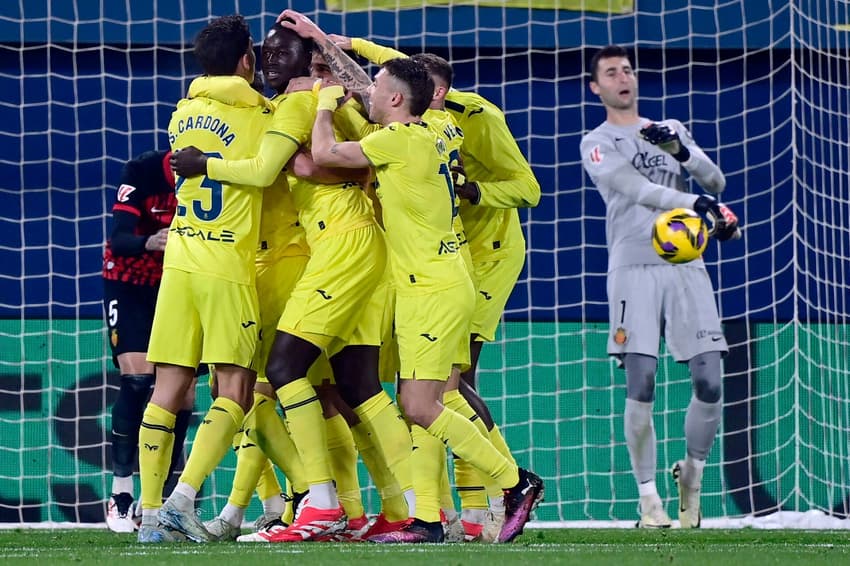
x,y
646,302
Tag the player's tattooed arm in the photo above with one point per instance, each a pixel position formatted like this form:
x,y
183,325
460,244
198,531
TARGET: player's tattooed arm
x,y
344,68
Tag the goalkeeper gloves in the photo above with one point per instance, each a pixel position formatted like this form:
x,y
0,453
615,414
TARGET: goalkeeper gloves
x,y
724,223
667,139
330,97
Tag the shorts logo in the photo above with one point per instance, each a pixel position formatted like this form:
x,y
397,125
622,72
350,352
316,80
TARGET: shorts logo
x,y
620,337
124,192
428,337
152,447
487,296
114,338
324,294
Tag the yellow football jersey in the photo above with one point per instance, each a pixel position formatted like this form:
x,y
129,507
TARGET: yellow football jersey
x,y
216,227
492,158
416,193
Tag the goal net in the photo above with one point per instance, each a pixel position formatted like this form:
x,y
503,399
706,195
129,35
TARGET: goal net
x,y
763,86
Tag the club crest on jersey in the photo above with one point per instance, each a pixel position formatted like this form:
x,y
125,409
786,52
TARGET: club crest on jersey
x,y
596,155
124,192
620,336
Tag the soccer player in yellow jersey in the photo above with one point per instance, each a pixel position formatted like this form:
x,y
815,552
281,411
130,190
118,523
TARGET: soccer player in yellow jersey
x,y
282,256
207,295
498,180
435,293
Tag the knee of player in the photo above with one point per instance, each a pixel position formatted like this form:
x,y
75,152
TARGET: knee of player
x,y
707,390
420,411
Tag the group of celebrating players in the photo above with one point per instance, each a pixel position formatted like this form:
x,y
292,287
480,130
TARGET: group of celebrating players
x,y
348,232
318,243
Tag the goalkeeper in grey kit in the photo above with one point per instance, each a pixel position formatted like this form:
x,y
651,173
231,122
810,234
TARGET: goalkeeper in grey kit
x,y
637,166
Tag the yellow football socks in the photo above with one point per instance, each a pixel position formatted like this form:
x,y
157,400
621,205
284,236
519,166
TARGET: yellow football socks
x,y
156,441
212,440
306,425
467,443
343,460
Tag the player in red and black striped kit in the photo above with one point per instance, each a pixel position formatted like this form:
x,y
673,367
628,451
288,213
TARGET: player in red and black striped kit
x,y
132,268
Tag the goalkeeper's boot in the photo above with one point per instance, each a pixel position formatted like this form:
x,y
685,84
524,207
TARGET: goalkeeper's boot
x,y
221,530
416,531
472,521
520,501
690,514
452,527
266,533
382,526
152,532
119,513
652,514
178,512
493,523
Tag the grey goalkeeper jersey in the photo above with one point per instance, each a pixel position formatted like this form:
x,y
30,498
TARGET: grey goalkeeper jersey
x,y
637,181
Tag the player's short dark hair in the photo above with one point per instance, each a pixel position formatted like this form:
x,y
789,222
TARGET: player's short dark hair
x,y
436,67
417,79
605,53
220,45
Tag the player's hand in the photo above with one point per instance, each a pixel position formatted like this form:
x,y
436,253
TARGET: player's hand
x,y
340,41
666,138
464,188
188,162
723,222
156,241
300,24
300,84
330,97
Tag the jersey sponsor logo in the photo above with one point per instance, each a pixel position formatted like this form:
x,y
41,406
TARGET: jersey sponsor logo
x,y
620,337
643,160
596,155
124,192
226,236
447,247
428,337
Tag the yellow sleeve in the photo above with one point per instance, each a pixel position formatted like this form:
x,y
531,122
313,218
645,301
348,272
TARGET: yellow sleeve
x,y
489,141
352,124
290,127
375,53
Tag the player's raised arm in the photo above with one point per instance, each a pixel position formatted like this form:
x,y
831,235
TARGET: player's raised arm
x,y
326,150
345,69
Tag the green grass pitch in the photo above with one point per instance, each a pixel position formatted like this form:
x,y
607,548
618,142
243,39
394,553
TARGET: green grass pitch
x,y
585,547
